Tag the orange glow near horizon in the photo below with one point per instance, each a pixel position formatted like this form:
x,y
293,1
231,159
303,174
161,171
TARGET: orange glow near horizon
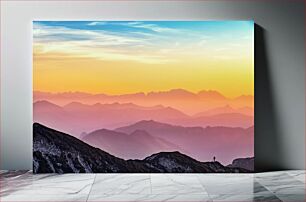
x,y
109,63
95,76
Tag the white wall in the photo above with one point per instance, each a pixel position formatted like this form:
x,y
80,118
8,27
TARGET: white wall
x,y
279,87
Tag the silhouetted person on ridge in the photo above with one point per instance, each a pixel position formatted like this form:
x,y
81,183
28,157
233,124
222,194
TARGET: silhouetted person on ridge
x,y
214,159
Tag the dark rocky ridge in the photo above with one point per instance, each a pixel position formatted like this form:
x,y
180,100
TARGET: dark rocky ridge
x,y
57,152
246,163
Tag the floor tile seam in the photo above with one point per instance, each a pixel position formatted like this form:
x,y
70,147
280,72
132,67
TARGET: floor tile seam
x,y
208,194
91,187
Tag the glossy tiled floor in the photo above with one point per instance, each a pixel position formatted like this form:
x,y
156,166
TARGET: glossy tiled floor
x,y
272,186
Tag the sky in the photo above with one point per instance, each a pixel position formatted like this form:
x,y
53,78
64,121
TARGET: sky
x,y
120,57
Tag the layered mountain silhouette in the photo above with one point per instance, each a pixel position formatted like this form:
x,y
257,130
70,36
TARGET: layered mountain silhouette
x,y
224,119
200,125
144,138
136,145
201,143
187,102
76,118
227,109
57,152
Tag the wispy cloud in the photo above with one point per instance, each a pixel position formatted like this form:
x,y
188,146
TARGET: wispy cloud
x,y
137,24
57,33
95,44
139,41
152,27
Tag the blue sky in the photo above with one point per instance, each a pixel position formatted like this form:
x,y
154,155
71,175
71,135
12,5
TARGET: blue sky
x,y
178,29
153,38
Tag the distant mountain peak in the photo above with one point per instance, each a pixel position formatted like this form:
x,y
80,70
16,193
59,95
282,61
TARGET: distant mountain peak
x,y
45,105
180,90
98,104
139,132
173,92
210,94
146,122
74,104
43,102
150,123
103,131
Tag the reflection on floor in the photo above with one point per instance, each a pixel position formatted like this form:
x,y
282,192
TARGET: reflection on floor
x,y
272,186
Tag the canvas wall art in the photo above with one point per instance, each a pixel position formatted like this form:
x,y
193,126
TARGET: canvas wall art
x,y
143,96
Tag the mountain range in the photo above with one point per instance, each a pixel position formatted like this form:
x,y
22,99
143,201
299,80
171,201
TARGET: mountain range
x,y
201,125
136,145
225,143
185,101
227,109
76,118
57,152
